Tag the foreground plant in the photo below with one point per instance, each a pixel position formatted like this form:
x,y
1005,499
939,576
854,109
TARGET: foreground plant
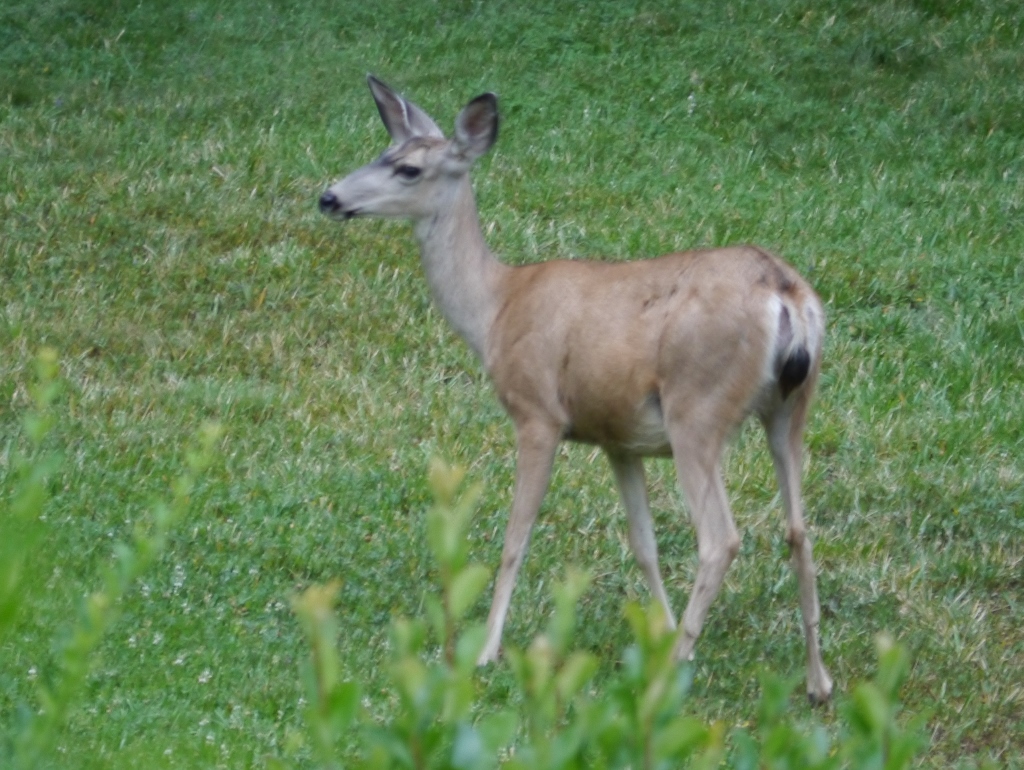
x,y
434,725
20,524
559,718
29,743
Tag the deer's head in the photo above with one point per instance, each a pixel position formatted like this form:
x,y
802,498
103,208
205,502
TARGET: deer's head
x,y
417,175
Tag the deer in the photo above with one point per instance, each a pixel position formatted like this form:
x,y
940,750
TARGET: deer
x,y
657,357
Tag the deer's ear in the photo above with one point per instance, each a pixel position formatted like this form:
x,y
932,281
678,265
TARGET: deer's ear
x,y
476,128
402,118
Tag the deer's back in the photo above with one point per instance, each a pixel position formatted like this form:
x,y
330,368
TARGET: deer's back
x,y
598,347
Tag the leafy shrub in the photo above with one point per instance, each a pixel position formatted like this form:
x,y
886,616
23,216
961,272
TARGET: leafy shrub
x,y
636,720
30,741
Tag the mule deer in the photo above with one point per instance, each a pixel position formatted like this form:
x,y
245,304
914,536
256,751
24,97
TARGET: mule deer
x,y
658,357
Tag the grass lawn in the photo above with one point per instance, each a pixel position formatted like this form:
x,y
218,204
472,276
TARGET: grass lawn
x,y
160,165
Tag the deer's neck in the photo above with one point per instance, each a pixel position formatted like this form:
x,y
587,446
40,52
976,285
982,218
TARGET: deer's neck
x,y
464,276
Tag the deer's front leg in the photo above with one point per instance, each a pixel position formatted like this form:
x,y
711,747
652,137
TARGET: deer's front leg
x,y
629,477
535,452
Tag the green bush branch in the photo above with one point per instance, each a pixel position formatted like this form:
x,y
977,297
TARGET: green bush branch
x,y
22,532
636,720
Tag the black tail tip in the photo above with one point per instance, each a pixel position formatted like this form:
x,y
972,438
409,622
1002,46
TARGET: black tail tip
x,y
794,371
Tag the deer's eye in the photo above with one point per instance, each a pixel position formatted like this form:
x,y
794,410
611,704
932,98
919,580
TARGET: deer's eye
x,y
408,172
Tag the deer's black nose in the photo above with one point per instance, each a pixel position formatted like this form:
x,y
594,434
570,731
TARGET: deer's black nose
x,y
329,202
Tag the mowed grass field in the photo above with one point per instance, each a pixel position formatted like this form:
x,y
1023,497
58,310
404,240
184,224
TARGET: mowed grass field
x,y
160,165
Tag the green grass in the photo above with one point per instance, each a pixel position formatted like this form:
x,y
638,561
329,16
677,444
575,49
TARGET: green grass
x,y
159,170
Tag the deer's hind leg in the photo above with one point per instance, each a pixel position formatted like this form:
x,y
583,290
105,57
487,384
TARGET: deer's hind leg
x,y
785,428
697,455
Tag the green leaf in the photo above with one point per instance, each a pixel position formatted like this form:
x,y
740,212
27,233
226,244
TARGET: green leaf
x,y
893,665
444,481
458,694
469,751
466,588
775,694
435,615
498,730
567,594
437,535
870,709
540,658
517,662
637,622
407,637
343,704
680,738
410,676
745,753
902,749
469,645
574,674
633,666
